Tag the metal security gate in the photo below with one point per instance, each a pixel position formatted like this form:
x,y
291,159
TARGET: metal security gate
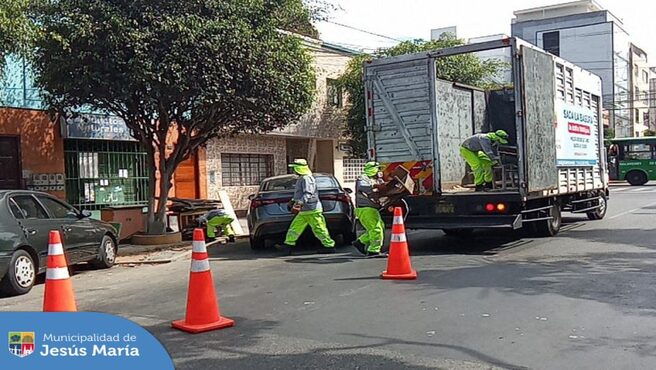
x,y
102,173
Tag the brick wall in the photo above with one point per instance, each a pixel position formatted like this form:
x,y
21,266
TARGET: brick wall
x,y
263,144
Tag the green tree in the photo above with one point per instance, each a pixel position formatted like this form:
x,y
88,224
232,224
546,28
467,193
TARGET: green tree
x,y
609,133
17,31
464,68
177,72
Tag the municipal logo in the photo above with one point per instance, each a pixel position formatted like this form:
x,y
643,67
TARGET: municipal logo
x,y
21,343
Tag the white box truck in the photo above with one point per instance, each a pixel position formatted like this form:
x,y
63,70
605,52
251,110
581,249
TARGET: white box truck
x,y
555,161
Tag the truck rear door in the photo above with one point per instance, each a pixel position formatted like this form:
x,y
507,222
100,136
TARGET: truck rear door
x,y
399,117
539,120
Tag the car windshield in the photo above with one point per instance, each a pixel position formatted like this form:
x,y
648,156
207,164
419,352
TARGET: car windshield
x,y
288,183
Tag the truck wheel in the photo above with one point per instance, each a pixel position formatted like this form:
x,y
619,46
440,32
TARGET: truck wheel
x,y
636,178
460,233
600,212
257,243
550,227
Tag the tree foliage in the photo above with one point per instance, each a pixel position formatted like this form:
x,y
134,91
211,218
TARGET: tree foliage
x,y
177,72
464,68
17,30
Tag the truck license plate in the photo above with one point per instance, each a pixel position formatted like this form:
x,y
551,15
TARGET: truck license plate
x,y
445,208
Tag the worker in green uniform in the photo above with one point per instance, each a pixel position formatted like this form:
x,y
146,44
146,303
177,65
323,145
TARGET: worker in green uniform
x,y
369,243
307,207
218,219
479,152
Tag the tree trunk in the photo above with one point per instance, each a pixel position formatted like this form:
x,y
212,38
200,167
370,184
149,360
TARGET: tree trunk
x,y
152,186
159,222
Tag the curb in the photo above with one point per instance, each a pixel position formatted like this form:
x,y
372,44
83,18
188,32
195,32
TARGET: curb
x,y
131,250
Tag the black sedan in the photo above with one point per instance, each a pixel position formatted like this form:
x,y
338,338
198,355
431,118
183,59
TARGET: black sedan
x,y
27,217
269,217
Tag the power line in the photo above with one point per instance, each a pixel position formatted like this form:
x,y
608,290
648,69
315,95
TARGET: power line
x,y
364,31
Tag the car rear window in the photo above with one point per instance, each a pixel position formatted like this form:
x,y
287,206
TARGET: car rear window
x,y
288,183
15,210
284,183
29,207
325,182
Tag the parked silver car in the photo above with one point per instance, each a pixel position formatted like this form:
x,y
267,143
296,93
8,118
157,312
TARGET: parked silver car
x,y
269,217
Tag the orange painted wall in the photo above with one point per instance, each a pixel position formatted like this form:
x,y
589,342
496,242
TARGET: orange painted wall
x,y
41,144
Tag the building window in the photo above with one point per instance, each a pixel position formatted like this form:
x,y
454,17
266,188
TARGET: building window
x,y
637,93
352,168
645,76
334,93
569,85
637,115
551,42
245,169
102,173
635,70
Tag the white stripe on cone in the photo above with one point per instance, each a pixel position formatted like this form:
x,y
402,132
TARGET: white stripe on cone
x,y
198,246
200,266
55,249
57,273
398,238
398,220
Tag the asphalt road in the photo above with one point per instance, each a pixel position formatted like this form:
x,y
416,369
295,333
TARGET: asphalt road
x,y
585,299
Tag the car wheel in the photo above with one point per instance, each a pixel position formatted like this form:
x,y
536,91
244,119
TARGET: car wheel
x,y
106,253
21,274
257,243
348,237
600,212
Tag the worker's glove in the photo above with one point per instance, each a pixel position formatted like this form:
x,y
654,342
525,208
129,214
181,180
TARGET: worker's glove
x,y
290,205
297,208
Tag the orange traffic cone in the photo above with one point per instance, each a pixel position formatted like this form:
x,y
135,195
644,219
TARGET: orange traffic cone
x,y
398,262
202,305
58,296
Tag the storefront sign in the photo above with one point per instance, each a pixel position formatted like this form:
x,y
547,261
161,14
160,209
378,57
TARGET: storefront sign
x,y
96,126
576,136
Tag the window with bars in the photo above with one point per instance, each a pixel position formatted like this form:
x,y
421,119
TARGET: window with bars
x,y
334,92
102,173
245,169
352,168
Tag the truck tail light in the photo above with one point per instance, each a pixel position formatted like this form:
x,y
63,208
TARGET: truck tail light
x,y
499,207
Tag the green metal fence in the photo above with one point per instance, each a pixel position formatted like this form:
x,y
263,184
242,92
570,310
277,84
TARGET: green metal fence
x,y
102,173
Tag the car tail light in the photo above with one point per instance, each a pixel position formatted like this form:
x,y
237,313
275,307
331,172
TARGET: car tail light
x,y
257,203
490,207
501,207
337,197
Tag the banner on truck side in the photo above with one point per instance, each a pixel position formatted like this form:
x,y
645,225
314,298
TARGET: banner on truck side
x,y
576,135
